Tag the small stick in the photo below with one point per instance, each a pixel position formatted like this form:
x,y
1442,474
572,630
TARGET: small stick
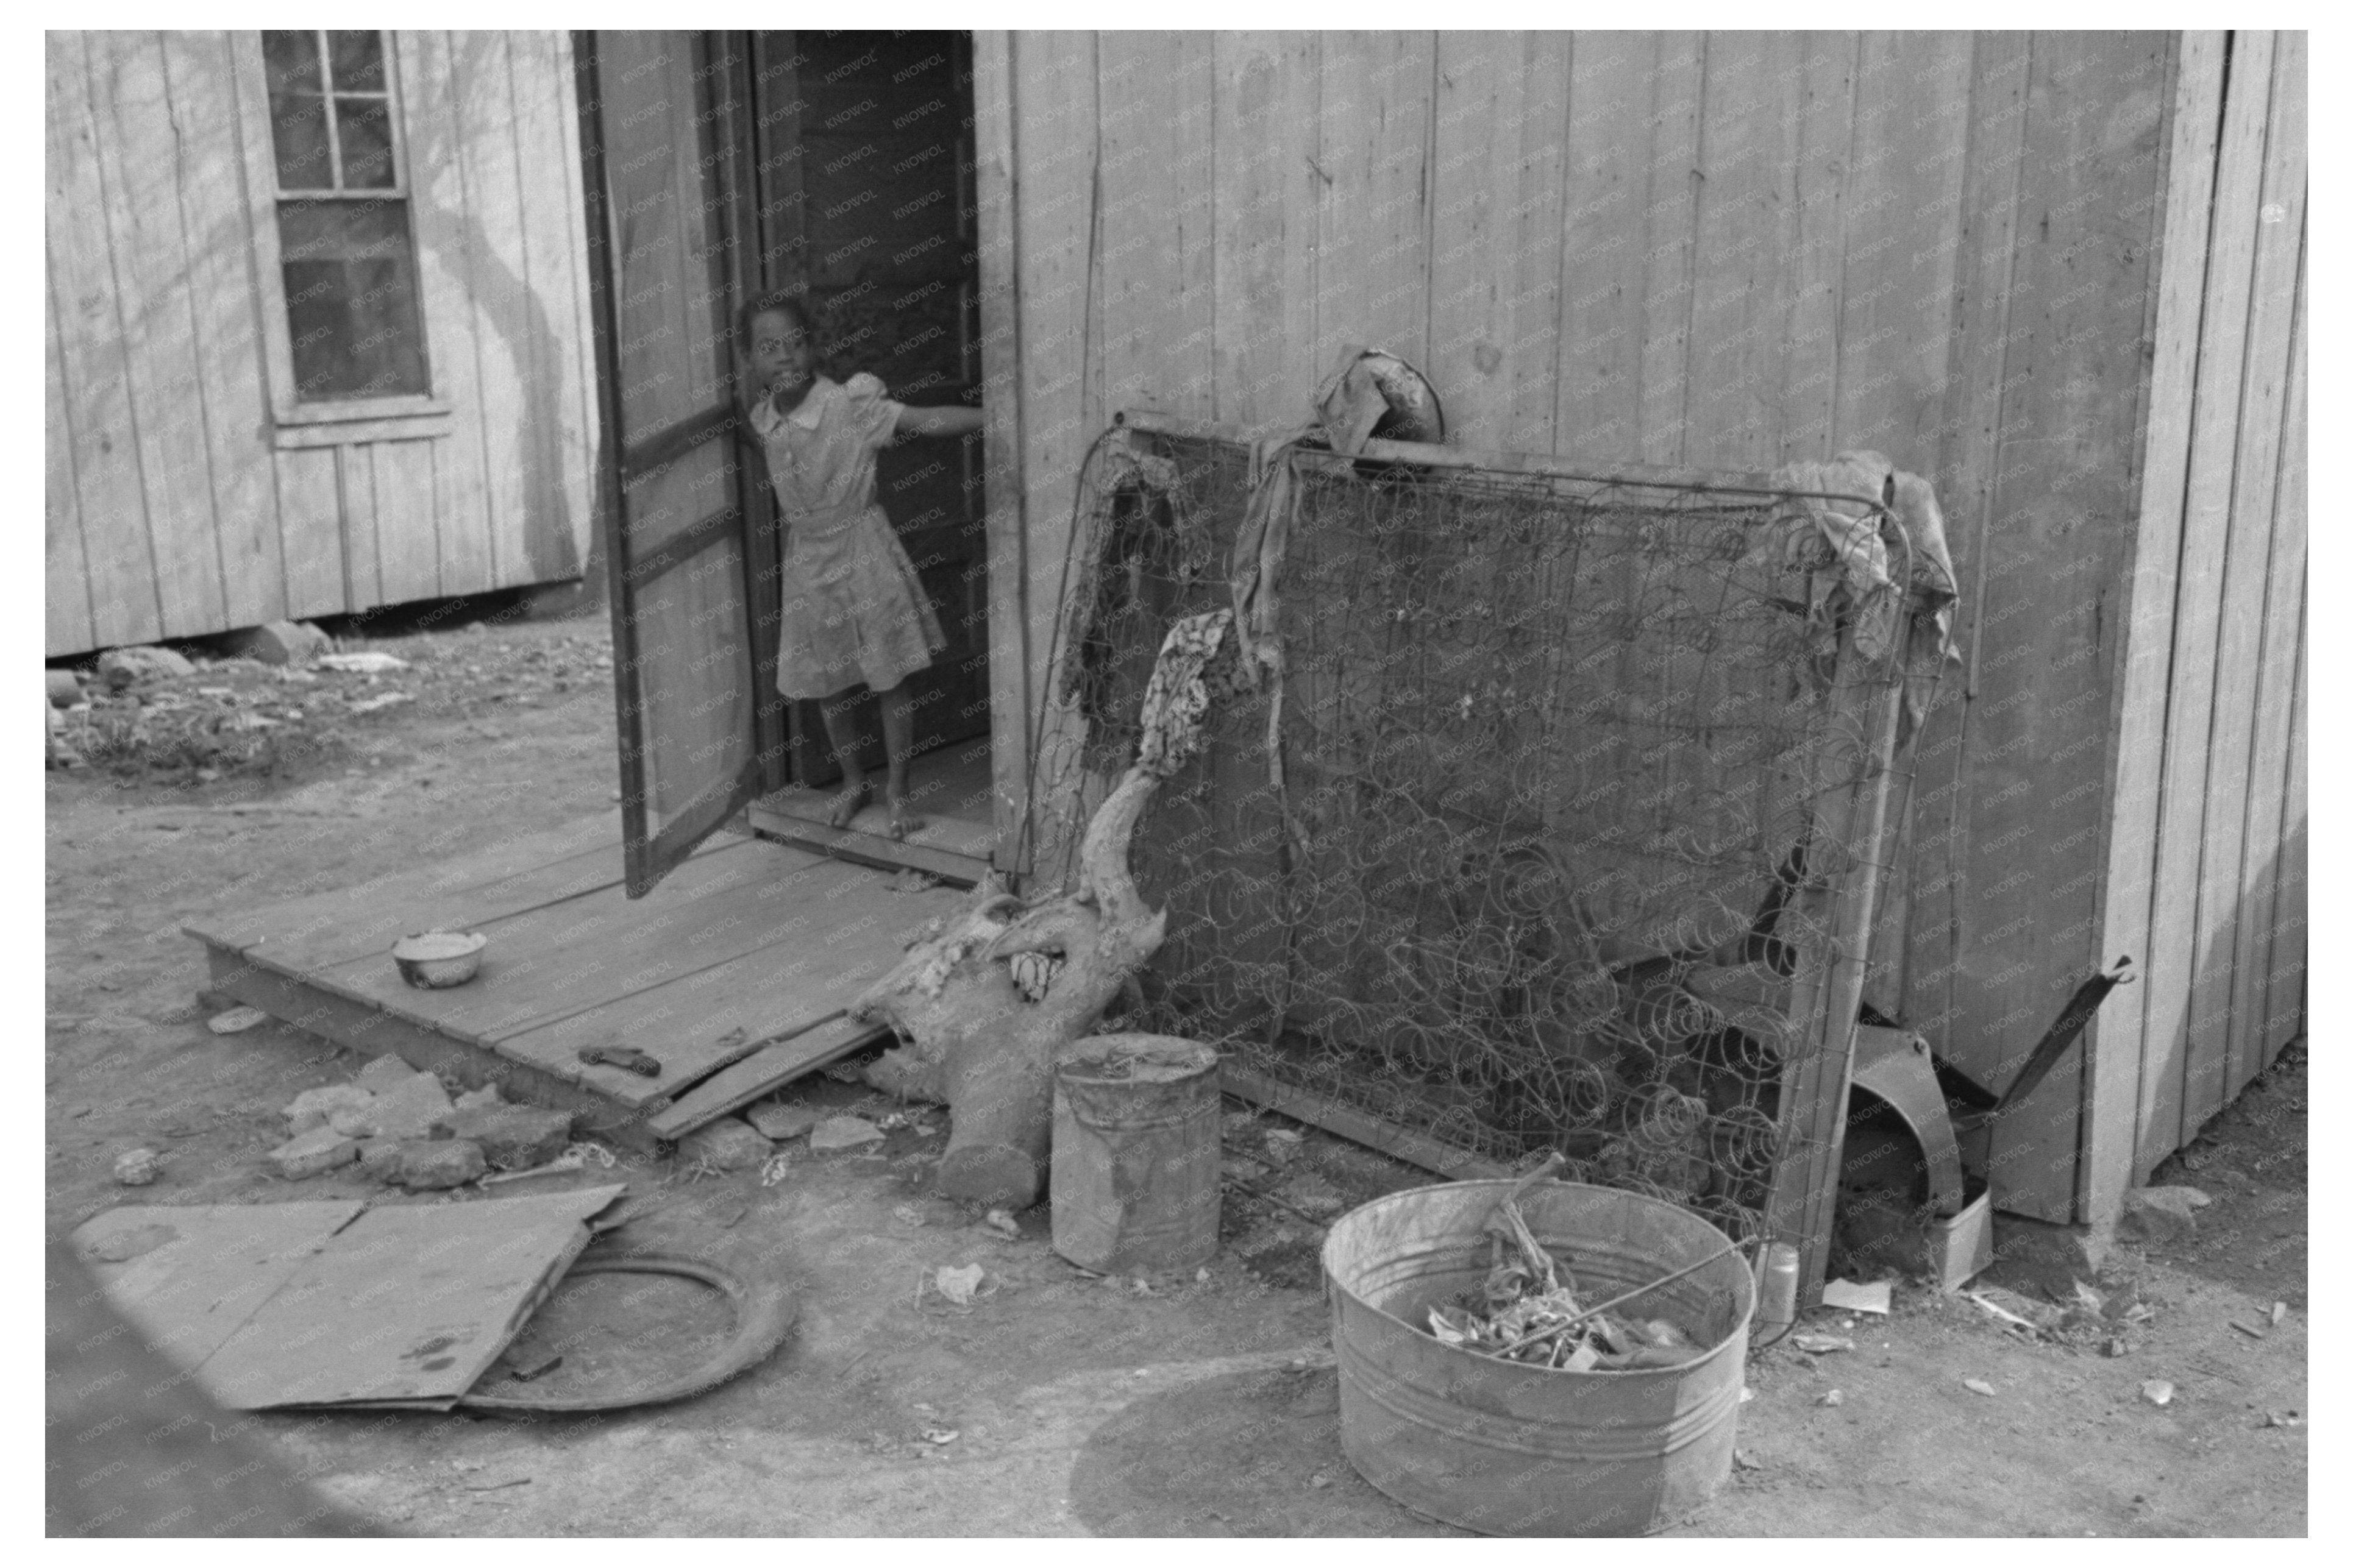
x,y
1730,1249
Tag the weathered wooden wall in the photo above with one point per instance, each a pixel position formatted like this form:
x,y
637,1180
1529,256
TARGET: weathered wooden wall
x,y
2206,876
172,508
1726,251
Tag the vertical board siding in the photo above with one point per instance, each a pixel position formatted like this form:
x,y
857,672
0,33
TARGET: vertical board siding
x,y
171,513
137,138
66,583
96,364
444,248
2167,1043
209,181
1729,251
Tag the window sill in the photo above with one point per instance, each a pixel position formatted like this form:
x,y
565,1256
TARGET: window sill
x,y
357,424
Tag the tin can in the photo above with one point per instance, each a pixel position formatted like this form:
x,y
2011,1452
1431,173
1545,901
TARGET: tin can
x,y
1777,1289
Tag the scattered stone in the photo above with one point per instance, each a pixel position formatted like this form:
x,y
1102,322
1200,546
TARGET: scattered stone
x,y
512,1137
730,1143
843,1133
280,642
309,1153
959,1285
138,1168
366,661
1281,1143
480,1098
382,1073
123,667
236,1020
1977,1385
2157,1391
408,1109
2167,1215
374,704
779,1121
1834,1398
1821,1345
315,1108
380,1158
1741,1460
428,1164
65,689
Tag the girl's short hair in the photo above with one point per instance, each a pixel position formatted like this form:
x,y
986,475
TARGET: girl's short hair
x,y
792,307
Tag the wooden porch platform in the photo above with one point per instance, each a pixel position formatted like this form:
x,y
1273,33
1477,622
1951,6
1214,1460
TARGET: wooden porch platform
x,y
732,973
951,789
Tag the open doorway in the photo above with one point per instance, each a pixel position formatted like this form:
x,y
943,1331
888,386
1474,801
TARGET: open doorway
x,y
864,200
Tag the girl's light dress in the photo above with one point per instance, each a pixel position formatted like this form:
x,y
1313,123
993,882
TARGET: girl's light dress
x,y
853,608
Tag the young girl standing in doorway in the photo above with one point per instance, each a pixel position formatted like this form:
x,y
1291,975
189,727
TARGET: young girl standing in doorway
x,y
854,613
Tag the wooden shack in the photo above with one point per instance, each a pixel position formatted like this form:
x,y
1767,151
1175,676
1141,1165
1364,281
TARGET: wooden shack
x,y
2059,274
316,326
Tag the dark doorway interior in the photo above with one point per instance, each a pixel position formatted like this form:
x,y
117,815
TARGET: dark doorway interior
x,y
863,169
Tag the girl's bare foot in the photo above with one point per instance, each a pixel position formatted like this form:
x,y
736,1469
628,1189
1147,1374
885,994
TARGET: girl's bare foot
x,y
849,803
901,821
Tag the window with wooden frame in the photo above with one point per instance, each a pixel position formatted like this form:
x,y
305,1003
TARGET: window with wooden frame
x,y
344,312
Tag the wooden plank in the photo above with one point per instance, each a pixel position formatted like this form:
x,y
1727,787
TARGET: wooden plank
x,y
1606,262
1905,210
771,1069
491,182
66,624
1499,149
1376,193
363,553
1356,1126
451,869
947,848
1744,295
2040,673
2284,1015
797,974
1265,197
997,196
201,76
1154,288
311,531
92,345
137,143
2113,1046
1671,242
405,503
365,1027
2228,858
2169,1043
441,214
580,467
2271,857
1815,367
554,441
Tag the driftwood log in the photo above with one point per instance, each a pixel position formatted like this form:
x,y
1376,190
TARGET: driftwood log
x,y
974,1037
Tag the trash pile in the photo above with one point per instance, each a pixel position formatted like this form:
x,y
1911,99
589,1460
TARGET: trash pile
x,y
1528,1310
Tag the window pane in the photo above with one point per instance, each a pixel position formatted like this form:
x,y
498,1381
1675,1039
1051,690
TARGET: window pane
x,y
357,60
364,126
351,299
298,114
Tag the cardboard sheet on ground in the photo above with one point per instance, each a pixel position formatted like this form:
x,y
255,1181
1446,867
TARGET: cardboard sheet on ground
x,y
337,1303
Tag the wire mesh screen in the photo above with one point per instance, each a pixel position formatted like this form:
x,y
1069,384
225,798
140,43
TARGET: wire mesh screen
x,y
1522,847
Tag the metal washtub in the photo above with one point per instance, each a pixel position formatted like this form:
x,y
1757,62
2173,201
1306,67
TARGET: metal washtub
x,y
1509,1449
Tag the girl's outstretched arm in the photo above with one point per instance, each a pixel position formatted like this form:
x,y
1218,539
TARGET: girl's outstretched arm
x,y
944,420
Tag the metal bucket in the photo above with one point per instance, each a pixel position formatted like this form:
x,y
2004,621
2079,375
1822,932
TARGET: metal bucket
x,y
1508,1449
1136,1153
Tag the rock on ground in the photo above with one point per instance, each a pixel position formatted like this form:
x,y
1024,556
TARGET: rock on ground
x,y
281,642
314,1107
780,1121
843,1133
511,1137
384,1073
380,1158
409,1110
122,666
430,1165
65,689
2165,1214
726,1144
309,1153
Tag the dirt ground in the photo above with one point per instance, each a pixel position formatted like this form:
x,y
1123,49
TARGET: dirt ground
x,y
1194,1405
